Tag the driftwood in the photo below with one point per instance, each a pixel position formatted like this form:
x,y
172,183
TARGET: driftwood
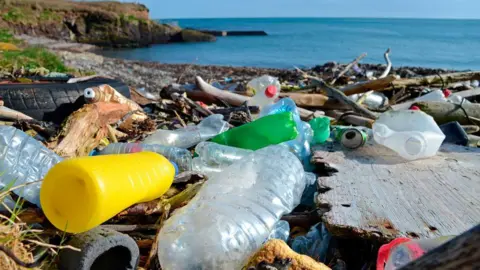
x,y
348,67
86,127
389,64
464,94
362,87
377,195
462,252
441,79
352,119
470,129
106,93
306,100
444,112
9,114
235,99
340,96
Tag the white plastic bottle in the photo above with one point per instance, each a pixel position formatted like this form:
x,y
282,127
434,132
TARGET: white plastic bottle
x,y
190,135
181,157
233,213
455,99
412,134
267,90
435,95
23,160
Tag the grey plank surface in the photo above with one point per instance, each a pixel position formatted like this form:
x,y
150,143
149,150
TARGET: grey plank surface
x,y
376,194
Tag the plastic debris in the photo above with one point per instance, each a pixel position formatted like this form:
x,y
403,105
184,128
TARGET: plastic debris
x,y
412,134
190,135
253,193
81,193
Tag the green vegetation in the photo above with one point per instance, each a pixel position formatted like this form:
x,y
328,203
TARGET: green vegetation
x,y
48,15
32,57
13,15
7,37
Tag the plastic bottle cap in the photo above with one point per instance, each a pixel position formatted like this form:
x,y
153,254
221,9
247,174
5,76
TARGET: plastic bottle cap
x,y
176,167
447,93
271,91
415,108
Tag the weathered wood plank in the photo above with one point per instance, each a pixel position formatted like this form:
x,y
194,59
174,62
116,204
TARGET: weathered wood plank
x,y
376,194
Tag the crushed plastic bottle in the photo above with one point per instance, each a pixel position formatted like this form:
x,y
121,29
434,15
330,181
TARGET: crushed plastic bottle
x,y
181,157
79,194
267,90
280,231
190,135
268,130
233,213
218,155
401,251
455,99
375,100
300,146
412,134
24,160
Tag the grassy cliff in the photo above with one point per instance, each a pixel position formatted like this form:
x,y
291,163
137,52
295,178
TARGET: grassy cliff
x,y
106,24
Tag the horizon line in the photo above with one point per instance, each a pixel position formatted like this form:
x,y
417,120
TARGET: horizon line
x,y
323,17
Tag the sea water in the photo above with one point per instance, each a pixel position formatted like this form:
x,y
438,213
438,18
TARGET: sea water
x,y
305,42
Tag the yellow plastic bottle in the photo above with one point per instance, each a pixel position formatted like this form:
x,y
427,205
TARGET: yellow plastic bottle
x,y
81,193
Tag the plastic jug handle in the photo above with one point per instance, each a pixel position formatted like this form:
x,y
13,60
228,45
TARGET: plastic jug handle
x,y
381,132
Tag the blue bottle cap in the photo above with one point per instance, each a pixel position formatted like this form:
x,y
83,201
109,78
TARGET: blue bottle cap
x,y
176,167
94,153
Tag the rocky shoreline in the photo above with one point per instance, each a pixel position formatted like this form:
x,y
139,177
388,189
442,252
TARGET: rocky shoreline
x,y
155,76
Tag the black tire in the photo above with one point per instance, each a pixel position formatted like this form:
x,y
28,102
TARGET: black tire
x,y
52,101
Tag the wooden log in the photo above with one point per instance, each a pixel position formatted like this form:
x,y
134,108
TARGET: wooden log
x,y
352,119
306,100
86,127
470,129
348,67
362,87
438,79
9,114
444,112
235,99
465,94
462,252
340,96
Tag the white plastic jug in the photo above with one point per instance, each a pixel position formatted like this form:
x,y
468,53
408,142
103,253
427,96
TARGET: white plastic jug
x,y
412,134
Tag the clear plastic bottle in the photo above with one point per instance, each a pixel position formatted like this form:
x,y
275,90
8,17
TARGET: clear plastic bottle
x,y
401,251
233,213
24,160
375,100
191,135
181,157
218,155
412,134
300,146
280,231
435,95
267,90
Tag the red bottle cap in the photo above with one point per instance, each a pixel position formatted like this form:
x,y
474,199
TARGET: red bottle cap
x,y
415,108
384,251
447,93
271,91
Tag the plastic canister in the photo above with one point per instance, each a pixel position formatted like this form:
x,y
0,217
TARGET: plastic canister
x,y
81,193
412,134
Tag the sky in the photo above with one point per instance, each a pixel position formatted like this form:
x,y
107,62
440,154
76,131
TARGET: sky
x,y
460,9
